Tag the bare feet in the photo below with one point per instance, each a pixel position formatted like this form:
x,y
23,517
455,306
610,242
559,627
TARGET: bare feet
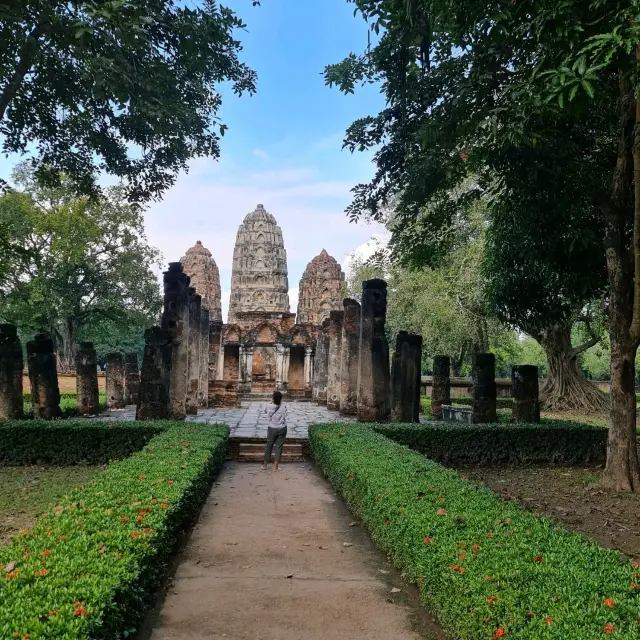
x,y
275,466
264,466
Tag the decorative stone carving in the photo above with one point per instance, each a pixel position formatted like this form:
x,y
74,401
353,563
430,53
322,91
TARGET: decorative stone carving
x,y
11,365
205,278
321,289
259,280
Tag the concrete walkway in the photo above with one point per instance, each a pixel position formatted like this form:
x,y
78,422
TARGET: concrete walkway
x,y
273,557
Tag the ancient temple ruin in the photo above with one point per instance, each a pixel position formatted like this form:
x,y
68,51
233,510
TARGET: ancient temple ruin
x,y
322,289
205,278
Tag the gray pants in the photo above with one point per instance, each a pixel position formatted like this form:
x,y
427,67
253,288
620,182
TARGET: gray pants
x,y
275,436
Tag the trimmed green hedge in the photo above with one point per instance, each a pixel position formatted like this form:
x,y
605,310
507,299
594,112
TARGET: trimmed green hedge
x,y
91,566
68,442
485,567
550,442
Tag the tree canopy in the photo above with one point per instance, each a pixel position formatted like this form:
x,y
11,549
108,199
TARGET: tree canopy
x,y
127,87
75,267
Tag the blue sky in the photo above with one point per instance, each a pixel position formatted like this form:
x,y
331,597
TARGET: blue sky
x,y
283,146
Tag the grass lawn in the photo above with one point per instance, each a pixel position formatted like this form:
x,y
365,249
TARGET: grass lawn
x,y
25,492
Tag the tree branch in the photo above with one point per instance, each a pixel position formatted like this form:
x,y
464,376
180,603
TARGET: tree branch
x,y
592,342
27,54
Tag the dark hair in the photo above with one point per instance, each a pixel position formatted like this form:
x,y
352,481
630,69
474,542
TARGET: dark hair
x,y
277,397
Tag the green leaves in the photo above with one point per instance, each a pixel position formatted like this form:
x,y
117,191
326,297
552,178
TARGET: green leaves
x,y
485,564
95,559
129,88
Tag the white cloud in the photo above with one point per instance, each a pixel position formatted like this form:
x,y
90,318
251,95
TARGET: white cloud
x,y
366,249
293,300
260,153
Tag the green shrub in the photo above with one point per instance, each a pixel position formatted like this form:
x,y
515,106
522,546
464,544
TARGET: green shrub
x,y
68,442
481,564
551,442
68,404
89,568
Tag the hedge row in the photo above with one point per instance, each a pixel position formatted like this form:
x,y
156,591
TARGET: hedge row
x,y
553,441
90,567
68,442
486,568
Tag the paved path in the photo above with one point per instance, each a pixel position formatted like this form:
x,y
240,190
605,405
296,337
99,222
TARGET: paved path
x,y
249,420
273,558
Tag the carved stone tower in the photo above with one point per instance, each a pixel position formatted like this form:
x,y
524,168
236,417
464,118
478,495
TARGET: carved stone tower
x,y
259,281
205,278
321,289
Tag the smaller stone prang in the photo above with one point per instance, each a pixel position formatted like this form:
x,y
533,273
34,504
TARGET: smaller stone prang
x,y
373,373
321,365
87,393
440,386
114,380
203,387
175,319
405,378
153,395
195,341
11,365
526,394
131,379
336,319
43,374
483,375
350,358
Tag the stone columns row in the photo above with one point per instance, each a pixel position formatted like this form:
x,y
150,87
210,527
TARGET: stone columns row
x,y
405,378
87,392
320,365
350,360
122,379
175,370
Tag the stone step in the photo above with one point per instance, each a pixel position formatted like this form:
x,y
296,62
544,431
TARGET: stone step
x,y
254,452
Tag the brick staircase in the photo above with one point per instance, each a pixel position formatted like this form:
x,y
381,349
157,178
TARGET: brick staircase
x,y
254,452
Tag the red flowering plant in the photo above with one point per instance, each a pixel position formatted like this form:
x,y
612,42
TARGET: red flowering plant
x,y
92,546
529,579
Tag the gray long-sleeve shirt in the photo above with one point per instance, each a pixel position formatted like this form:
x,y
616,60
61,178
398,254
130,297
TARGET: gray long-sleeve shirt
x,y
277,415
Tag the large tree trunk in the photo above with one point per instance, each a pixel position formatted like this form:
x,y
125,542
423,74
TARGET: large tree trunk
x,y
566,388
66,346
622,472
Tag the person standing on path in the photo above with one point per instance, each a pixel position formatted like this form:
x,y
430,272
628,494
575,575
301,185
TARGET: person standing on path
x,y
277,430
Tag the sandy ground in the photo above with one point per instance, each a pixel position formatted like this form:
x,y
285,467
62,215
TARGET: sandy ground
x,y
278,557
572,497
65,383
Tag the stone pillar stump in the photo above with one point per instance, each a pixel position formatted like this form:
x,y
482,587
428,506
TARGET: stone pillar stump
x,y
526,394
43,374
114,380
131,379
87,393
203,387
483,375
350,358
11,366
321,364
373,373
336,319
440,385
153,394
194,336
405,378
175,319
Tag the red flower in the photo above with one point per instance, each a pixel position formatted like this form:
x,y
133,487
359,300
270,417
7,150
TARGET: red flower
x,y
462,556
538,559
387,523
62,538
475,548
609,602
441,499
635,563
140,519
499,633
489,578
140,477
49,532
45,553
492,599
171,481
124,519
427,541
490,534
53,613
147,530
609,629
441,512
548,620
13,574
164,505
77,604
135,534
80,611
42,572
348,475
529,614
